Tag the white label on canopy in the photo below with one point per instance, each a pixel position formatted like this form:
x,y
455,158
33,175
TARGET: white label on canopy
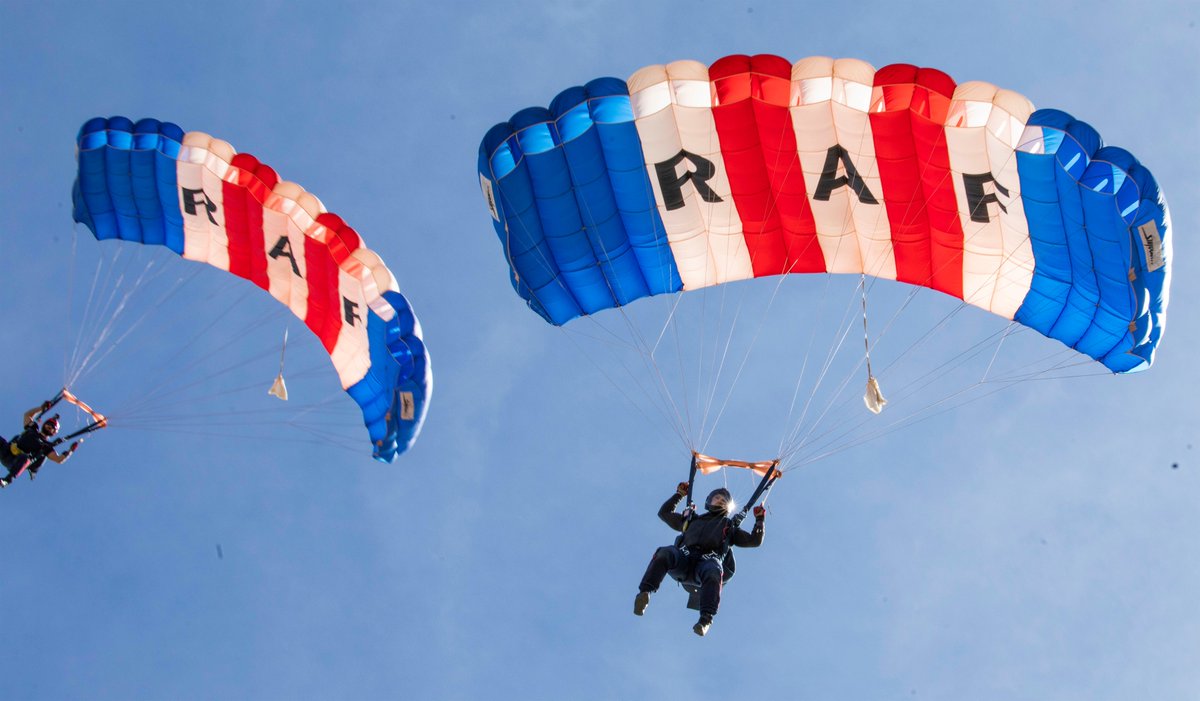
x,y
486,185
408,408
1152,243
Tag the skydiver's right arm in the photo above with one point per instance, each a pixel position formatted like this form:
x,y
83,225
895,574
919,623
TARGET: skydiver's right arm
x,y
29,415
667,512
54,456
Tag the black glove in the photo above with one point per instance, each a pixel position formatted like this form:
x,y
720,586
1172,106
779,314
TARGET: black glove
x,y
760,513
46,406
682,489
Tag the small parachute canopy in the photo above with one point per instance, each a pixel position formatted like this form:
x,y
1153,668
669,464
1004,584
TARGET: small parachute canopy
x,y
150,182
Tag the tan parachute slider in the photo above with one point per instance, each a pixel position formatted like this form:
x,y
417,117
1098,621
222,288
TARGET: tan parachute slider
x,y
98,420
706,465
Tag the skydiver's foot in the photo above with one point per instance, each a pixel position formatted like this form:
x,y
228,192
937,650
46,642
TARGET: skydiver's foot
x,y
3,482
702,626
640,602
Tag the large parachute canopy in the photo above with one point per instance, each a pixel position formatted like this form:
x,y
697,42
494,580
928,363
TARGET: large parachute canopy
x,y
153,183
685,177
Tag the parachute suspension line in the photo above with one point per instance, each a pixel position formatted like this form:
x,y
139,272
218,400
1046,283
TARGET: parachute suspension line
x,y
84,320
905,392
675,425
804,364
874,396
824,442
916,418
647,350
149,407
844,326
162,382
70,304
640,346
745,358
105,314
674,308
151,272
179,284
1007,330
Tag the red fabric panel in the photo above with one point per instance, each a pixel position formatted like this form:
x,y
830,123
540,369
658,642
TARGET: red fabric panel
x,y
753,95
243,218
733,111
931,102
322,258
900,171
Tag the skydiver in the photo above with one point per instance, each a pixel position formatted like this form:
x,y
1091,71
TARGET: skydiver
x,y
33,446
698,553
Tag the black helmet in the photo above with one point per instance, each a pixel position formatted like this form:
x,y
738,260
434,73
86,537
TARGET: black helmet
x,y
50,426
708,503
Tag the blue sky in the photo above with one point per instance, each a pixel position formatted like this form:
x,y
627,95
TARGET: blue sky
x,y
1034,544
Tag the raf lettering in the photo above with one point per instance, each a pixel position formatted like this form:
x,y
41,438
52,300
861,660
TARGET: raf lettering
x,y
192,198
671,182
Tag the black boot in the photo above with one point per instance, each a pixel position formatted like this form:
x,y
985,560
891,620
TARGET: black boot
x,y
640,602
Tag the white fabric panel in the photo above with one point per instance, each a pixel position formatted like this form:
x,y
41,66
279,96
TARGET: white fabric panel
x,y
831,102
983,128
361,279
200,166
278,224
673,112
376,280
351,354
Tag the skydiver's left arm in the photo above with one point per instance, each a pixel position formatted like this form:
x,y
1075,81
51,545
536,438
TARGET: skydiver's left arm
x,y
754,538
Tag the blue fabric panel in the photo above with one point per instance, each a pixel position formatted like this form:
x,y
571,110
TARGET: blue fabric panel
x,y
118,174
1152,287
612,114
562,223
575,206
170,140
144,183
533,268
399,363
1084,203
93,207
1084,295
594,197
126,182
1109,197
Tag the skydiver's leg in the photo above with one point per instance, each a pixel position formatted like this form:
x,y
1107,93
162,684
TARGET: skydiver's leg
x,y
709,573
14,470
34,466
665,558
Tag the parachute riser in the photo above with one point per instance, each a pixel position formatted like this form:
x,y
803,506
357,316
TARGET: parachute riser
x,y
94,426
689,510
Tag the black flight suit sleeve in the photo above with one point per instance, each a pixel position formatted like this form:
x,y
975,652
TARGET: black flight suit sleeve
x,y
667,513
753,539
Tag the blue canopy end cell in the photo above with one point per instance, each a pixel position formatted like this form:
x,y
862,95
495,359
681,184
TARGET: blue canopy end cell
x,y
394,394
1100,231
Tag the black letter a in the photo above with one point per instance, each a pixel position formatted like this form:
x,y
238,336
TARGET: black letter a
x,y
831,181
283,247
